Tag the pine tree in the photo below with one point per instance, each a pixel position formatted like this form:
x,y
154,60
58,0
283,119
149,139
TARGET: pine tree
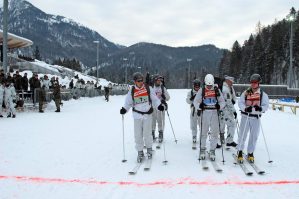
x,y
235,59
36,54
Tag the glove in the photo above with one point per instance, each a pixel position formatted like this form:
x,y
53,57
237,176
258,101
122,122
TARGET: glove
x,y
163,102
235,114
258,108
192,98
217,106
233,101
161,107
202,106
123,110
163,96
198,113
222,139
248,109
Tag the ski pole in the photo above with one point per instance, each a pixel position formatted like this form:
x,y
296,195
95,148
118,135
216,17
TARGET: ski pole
x,y
124,153
269,161
200,134
219,134
238,127
176,141
164,151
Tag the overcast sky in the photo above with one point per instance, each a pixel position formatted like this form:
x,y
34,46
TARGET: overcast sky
x,y
171,22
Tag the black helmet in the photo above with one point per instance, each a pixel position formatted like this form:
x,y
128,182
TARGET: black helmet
x,y
157,77
196,82
255,77
137,76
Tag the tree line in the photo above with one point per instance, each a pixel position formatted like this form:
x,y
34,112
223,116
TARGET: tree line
x,y
267,52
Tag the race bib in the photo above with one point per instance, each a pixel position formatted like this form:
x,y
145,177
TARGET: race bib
x,y
140,96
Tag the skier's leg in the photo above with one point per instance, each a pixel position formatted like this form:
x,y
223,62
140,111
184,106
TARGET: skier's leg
x,y
138,134
254,133
206,116
193,124
147,127
214,130
244,127
231,127
154,119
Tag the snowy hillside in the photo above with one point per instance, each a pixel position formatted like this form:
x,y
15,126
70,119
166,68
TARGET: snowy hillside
x,y
64,74
77,154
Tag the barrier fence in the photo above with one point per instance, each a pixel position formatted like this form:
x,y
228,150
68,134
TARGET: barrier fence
x,y
30,99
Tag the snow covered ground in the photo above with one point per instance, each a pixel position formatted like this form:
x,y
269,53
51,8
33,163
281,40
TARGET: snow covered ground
x,y
77,154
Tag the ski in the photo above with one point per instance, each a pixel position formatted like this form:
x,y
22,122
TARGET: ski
x,y
243,167
255,167
216,167
159,145
148,163
204,164
135,168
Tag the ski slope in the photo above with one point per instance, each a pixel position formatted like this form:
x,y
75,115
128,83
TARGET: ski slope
x,y
77,154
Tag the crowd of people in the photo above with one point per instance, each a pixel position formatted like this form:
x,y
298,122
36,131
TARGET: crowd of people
x,y
212,112
14,89
38,89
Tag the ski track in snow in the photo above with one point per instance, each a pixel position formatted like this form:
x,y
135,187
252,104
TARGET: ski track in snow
x,y
77,154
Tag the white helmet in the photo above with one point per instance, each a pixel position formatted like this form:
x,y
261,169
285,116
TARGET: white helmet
x,y
209,80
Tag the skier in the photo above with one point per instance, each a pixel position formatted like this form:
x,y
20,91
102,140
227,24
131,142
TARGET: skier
x,y
159,117
107,90
57,96
142,98
9,98
209,101
252,103
194,115
229,114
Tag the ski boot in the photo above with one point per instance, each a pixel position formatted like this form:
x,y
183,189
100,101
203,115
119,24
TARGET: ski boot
x,y
218,146
160,136
13,116
232,144
212,155
202,154
9,115
250,157
240,157
1,115
154,137
194,139
140,156
149,153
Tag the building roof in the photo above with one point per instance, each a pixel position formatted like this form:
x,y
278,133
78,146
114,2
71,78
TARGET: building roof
x,y
14,41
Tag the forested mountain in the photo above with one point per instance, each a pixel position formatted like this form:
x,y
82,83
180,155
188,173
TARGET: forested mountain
x,y
58,40
267,52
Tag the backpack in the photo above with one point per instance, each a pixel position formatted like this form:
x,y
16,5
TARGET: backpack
x,y
261,95
219,81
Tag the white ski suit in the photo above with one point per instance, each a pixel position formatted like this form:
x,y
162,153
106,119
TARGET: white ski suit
x,y
210,117
159,116
142,122
251,121
1,97
9,96
194,119
227,116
